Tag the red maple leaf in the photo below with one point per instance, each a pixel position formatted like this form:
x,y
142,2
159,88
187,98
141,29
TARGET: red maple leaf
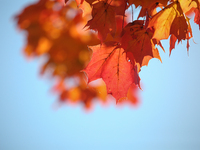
x,y
103,19
110,63
137,41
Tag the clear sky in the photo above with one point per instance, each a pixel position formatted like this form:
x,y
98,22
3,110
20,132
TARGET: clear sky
x,y
168,116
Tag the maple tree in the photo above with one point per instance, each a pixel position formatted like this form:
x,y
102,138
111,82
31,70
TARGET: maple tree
x,y
85,40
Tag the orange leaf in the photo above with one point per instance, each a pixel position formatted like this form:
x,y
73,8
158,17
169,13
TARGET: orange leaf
x,y
163,20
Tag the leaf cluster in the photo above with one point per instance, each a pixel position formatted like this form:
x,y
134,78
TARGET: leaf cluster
x,y
95,37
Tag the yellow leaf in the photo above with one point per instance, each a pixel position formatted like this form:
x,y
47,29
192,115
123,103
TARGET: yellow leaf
x,y
162,21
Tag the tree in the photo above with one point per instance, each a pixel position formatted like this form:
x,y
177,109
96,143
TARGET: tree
x,y
85,40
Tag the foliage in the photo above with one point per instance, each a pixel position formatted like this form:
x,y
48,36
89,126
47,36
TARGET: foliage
x,y
70,33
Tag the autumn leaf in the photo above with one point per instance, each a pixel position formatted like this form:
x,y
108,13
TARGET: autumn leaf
x,y
163,20
103,19
130,29
138,42
110,63
180,30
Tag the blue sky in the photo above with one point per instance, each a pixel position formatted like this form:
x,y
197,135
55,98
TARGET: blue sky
x,y
168,116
